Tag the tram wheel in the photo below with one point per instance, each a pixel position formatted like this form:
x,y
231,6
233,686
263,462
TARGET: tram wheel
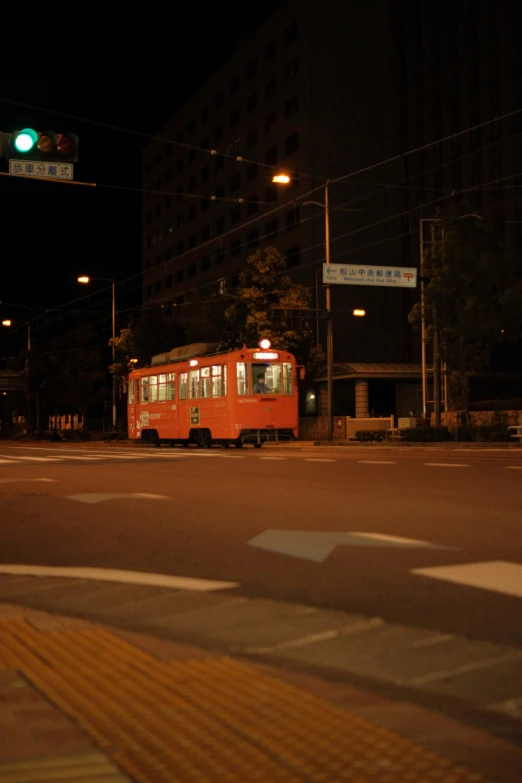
x,y
238,444
257,445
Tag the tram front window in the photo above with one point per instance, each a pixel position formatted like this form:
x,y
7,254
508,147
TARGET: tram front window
x,y
266,378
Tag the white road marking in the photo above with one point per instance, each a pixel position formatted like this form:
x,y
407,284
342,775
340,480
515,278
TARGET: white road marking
x,y
375,462
231,456
459,670
98,497
319,459
273,458
399,540
445,465
124,577
513,467
35,459
9,461
10,480
497,575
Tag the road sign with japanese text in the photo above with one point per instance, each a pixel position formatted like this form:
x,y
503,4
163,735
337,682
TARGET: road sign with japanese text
x,y
38,168
366,274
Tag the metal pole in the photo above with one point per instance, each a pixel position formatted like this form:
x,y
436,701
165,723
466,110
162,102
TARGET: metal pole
x,y
436,369
28,337
423,321
113,355
329,333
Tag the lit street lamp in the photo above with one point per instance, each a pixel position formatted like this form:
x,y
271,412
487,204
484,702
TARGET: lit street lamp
x,y
284,179
8,322
85,279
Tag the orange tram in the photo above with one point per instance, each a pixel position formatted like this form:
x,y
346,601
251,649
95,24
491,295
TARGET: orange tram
x,y
194,396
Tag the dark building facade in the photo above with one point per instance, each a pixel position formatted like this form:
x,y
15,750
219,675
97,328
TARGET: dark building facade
x,y
324,92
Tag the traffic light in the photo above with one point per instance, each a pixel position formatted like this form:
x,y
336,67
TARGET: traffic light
x,y
28,144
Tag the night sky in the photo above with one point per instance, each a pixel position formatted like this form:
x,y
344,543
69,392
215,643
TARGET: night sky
x,y
129,72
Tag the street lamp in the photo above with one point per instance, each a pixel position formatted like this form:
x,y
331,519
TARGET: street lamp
x,y
284,179
8,322
85,279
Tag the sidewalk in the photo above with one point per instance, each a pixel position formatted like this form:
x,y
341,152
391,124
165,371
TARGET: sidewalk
x,y
86,703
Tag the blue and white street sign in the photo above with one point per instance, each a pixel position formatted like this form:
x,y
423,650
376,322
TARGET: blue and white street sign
x,y
366,274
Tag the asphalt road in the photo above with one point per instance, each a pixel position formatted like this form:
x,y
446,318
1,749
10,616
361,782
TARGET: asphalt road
x,y
213,503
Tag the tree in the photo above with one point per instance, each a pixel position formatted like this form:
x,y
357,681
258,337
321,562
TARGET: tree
x,y
471,291
263,285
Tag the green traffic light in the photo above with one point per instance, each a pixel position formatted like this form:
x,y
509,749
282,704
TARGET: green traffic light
x,y
25,140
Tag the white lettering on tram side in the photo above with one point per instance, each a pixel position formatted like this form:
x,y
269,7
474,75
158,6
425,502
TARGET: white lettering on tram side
x,y
249,401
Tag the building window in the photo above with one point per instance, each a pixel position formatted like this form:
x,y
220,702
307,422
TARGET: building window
x,y
252,205
220,162
270,123
157,287
218,132
252,238
252,137
167,254
192,126
235,182
179,166
205,233
252,103
234,118
220,191
204,114
192,156
234,149
271,157
205,263
270,88
270,52
157,260
234,86
271,194
179,247
291,69
205,174
290,33
180,275
168,281
220,225
251,172
168,202
148,292
191,184
158,210
192,212
272,228
218,101
292,217
291,107
192,241
192,270
292,144
219,256
235,214
205,203
293,256
235,248
205,143
180,220
251,70
168,175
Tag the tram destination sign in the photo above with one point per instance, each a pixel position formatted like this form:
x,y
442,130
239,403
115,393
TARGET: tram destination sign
x,y
366,274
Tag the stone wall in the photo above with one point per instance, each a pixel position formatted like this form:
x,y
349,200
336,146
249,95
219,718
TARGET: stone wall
x,y
480,418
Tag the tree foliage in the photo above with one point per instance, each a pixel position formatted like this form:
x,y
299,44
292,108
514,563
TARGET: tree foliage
x,y
472,291
262,286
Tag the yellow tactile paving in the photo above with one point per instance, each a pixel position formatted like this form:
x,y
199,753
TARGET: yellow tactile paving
x,y
209,721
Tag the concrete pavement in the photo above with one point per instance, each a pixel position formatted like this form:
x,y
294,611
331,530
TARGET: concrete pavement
x,y
85,703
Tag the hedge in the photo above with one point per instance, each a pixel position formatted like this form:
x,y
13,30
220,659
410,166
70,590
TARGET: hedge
x,y
492,433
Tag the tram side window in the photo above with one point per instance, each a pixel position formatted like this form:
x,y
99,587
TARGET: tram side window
x,y
194,382
242,385
205,382
144,390
218,380
153,388
287,377
224,379
183,386
130,394
171,386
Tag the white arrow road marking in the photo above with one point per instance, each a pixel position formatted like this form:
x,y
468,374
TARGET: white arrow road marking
x,y
10,480
497,575
98,497
318,545
124,577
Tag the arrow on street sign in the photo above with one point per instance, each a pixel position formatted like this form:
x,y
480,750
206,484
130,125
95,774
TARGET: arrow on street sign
x,y
318,545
